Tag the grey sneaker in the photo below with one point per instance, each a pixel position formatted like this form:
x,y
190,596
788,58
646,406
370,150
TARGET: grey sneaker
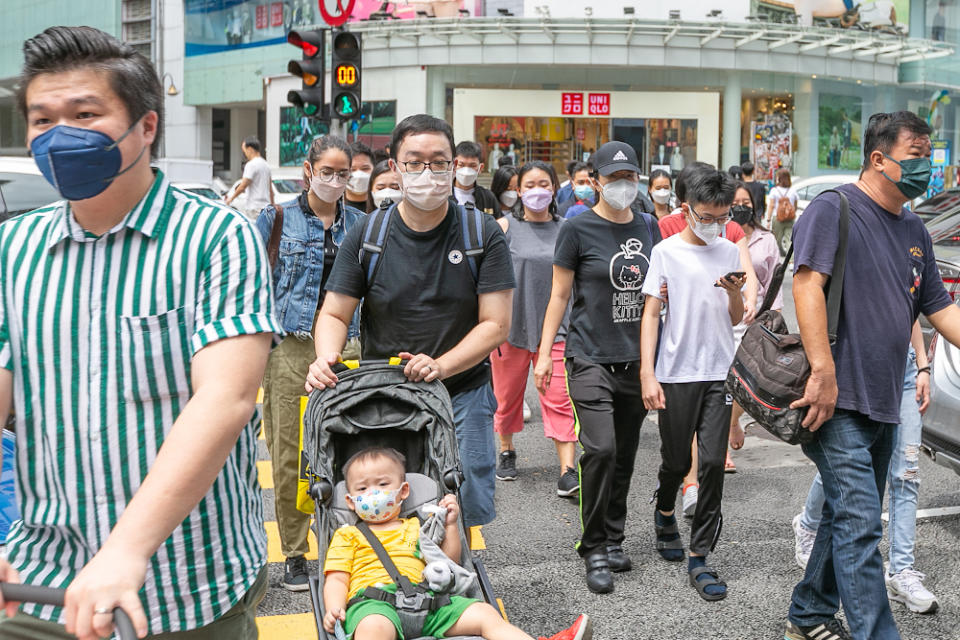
x,y
569,483
830,630
507,467
295,574
907,587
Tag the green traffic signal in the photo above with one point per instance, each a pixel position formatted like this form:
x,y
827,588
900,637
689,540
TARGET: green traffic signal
x,y
346,105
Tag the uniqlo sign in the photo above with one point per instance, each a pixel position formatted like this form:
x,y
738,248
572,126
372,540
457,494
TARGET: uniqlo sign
x,y
599,104
571,104
276,14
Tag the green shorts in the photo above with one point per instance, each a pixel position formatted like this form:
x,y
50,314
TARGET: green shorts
x,y
436,624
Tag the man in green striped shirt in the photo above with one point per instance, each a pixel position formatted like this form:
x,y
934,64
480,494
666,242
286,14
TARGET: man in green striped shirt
x,y
135,322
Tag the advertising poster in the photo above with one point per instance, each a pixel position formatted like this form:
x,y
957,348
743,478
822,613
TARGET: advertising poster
x,y
214,26
772,145
839,133
939,158
297,133
889,16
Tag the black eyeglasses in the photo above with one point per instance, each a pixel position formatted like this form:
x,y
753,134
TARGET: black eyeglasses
x,y
416,167
709,219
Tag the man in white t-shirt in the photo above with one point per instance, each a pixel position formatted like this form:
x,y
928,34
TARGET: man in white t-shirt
x,y
703,278
256,181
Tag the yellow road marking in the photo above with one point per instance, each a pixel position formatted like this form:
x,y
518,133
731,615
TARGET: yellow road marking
x,y
273,544
260,395
265,472
477,543
503,611
297,625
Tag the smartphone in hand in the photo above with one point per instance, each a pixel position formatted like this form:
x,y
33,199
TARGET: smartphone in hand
x,y
730,276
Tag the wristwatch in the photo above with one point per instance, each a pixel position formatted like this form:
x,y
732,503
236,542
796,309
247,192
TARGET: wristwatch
x,y
925,369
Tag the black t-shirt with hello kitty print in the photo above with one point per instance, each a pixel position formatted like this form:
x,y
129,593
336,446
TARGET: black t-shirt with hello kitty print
x,y
609,261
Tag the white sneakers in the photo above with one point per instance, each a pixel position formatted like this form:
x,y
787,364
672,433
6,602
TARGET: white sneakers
x,y
803,542
907,587
527,413
690,500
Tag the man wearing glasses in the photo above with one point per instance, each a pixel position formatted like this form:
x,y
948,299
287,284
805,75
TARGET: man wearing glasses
x,y
703,274
425,304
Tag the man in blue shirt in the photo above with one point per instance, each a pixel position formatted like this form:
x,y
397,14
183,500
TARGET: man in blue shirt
x,y
854,389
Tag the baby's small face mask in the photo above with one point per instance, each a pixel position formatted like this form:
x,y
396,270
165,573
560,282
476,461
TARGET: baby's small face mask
x,y
378,505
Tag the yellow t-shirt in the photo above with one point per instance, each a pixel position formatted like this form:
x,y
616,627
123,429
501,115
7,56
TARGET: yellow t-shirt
x,y
349,551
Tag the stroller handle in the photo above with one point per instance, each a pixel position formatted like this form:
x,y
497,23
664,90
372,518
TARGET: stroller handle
x,y
345,365
48,595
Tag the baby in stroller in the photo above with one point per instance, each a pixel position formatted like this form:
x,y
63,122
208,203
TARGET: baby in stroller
x,y
358,586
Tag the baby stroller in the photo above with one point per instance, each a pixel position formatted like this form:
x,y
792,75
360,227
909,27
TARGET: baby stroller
x,y
374,404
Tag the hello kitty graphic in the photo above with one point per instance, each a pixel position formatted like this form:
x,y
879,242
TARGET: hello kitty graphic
x,y
628,266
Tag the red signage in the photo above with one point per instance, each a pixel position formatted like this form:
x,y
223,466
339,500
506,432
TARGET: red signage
x,y
571,104
599,104
262,17
276,14
581,134
336,12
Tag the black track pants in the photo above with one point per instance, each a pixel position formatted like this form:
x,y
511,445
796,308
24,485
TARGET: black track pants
x,y
702,408
608,405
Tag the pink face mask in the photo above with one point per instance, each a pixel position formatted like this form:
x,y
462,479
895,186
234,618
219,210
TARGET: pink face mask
x,y
537,199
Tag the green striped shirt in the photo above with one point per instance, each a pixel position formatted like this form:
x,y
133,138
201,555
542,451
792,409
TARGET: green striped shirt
x,y
99,332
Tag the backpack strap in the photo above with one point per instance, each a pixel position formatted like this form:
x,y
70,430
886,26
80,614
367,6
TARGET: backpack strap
x,y
471,226
374,240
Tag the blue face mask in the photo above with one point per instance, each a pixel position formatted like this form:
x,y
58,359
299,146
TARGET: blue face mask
x,y
79,163
583,191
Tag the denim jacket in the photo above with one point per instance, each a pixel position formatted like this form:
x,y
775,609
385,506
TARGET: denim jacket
x,y
299,269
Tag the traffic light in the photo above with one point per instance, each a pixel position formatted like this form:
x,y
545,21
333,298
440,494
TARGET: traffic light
x,y
310,97
346,60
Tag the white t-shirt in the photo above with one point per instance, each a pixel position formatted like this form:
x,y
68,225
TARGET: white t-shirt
x,y
464,195
257,171
697,340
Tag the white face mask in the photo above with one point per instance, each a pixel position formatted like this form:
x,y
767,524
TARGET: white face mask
x,y
706,232
619,194
327,191
661,196
358,182
508,198
393,194
426,191
466,176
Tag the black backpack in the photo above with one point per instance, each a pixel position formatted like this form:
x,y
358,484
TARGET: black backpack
x,y
771,369
377,231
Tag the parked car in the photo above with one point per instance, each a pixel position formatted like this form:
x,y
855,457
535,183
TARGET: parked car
x,y
200,189
22,187
941,423
938,205
809,188
287,186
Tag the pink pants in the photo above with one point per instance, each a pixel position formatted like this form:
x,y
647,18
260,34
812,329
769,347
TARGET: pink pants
x,y
510,368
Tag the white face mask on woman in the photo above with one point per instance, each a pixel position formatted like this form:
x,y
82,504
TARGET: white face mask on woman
x,y
619,194
328,191
660,196
508,198
379,196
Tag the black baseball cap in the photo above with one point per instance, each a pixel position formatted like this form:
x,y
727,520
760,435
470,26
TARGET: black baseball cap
x,y
615,156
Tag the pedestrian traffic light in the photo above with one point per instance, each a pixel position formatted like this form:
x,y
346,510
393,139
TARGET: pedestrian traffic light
x,y
346,60
310,97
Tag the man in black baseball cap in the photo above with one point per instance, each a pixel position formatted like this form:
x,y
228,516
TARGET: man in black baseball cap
x,y
601,259
615,156
619,156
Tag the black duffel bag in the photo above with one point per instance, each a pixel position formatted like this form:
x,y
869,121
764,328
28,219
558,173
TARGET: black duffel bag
x,y
770,369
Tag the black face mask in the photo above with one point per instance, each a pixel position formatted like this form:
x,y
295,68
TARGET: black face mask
x,y
741,214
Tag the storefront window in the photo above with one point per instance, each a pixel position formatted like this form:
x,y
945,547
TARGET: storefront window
x,y
672,144
298,131
557,141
